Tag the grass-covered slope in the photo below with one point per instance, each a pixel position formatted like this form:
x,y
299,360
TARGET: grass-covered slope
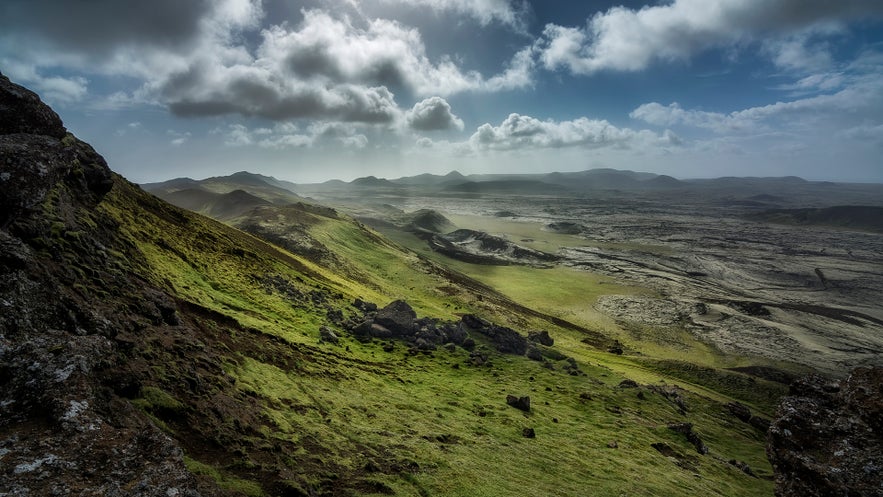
x,y
259,405
143,343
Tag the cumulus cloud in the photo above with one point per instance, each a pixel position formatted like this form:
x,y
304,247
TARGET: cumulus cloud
x,y
433,114
625,39
221,57
384,52
525,132
507,12
858,102
289,135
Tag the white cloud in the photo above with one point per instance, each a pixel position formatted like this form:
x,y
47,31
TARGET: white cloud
x,y
507,12
384,53
525,132
860,101
624,39
55,89
178,138
433,114
287,135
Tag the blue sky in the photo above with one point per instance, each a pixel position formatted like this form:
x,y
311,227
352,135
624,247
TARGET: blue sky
x,y
310,90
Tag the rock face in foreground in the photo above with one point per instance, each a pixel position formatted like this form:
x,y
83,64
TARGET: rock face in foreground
x,y
827,438
62,431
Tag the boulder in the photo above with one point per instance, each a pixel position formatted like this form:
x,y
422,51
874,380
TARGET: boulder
x,y
740,411
628,383
505,340
686,429
827,437
528,433
541,337
534,354
326,335
521,403
398,317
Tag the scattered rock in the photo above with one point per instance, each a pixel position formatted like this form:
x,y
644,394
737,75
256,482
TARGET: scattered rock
x,y
612,445
686,429
740,411
506,340
528,433
541,337
827,438
364,306
760,423
534,354
522,403
742,466
398,317
326,335
627,383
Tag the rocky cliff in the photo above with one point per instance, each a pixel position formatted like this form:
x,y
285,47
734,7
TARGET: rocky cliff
x,y
64,304
827,439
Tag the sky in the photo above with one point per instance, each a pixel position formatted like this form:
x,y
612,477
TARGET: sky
x,y
310,90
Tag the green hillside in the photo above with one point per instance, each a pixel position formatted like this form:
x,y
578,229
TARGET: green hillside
x,y
373,418
159,339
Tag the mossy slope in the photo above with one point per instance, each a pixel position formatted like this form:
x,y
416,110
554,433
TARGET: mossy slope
x,y
251,393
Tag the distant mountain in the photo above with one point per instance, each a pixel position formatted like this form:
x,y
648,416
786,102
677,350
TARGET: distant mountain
x,y
612,179
267,188
373,182
223,206
427,179
525,187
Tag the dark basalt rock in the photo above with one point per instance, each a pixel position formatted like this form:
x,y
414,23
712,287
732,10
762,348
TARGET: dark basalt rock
x,y
827,437
541,337
62,351
398,317
686,429
21,111
520,403
740,411
628,383
36,154
506,340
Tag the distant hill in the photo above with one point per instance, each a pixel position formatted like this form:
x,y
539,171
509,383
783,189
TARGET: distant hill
x,y
223,206
430,221
525,187
191,194
373,182
858,217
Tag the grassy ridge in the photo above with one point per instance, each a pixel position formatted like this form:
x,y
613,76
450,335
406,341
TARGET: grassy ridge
x,y
286,414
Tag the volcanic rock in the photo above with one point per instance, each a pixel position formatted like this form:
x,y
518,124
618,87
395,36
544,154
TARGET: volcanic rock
x,y
827,438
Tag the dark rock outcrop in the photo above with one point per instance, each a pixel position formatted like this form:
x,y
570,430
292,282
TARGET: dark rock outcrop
x,y
398,317
541,337
827,437
36,153
686,429
740,411
23,112
506,340
65,318
520,403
